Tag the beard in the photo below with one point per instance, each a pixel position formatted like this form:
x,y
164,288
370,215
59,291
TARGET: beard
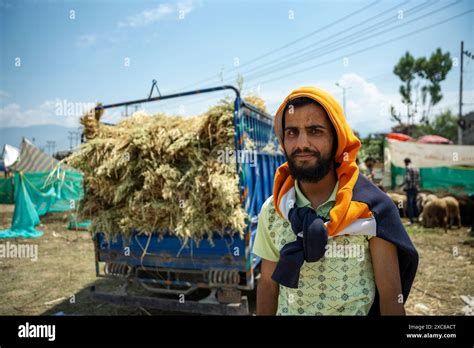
x,y
310,172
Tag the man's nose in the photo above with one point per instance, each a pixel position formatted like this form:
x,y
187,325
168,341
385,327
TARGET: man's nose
x,y
302,141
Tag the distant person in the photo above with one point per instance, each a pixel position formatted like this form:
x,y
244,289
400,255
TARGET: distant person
x,y
411,185
369,164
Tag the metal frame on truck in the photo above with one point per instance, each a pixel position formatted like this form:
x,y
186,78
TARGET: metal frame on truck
x,y
169,271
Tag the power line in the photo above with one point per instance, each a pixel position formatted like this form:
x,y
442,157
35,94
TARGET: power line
x,y
289,63
342,41
312,33
379,76
310,49
291,43
366,48
370,47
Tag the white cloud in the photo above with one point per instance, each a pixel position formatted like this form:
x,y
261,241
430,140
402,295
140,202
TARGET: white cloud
x,y
58,112
367,107
147,16
52,112
185,7
163,11
86,40
144,18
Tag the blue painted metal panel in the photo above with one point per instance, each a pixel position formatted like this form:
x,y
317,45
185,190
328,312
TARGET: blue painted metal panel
x,y
226,253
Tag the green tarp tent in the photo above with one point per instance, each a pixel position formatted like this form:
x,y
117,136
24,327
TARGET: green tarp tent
x,y
36,194
6,190
441,167
453,179
39,186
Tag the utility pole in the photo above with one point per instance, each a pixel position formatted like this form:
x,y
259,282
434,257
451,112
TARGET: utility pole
x,y
125,114
77,139
343,96
461,121
460,96
71,134
49,145
73,139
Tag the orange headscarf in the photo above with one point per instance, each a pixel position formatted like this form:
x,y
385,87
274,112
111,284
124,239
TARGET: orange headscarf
x,y
345,211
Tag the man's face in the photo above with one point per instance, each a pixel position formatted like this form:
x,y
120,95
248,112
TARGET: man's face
x,y
308,142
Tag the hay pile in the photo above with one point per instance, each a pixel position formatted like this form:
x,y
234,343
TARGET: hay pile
x,y
255,100
161,174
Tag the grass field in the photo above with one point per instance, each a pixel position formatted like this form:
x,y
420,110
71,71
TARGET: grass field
x,y
59,281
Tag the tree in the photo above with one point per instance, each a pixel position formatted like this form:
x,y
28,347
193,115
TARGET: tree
x,y
421,79
371,146
406,70
434,71
445,125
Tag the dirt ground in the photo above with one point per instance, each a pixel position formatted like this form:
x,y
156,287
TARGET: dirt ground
x,y
59,281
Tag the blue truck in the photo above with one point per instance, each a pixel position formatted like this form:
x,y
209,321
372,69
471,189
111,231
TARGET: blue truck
x,y
170,275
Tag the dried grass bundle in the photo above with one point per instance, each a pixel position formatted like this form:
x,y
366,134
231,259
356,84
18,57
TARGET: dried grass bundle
x,y
161,174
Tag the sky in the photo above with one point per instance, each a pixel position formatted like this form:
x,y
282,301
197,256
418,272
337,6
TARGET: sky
x,y
58,58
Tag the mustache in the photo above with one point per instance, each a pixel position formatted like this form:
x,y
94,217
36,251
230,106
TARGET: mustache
x,y
306,151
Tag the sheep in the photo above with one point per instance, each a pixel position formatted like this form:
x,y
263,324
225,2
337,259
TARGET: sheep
x,y
429,197
422,199
400,201
435,213
466,209
453,211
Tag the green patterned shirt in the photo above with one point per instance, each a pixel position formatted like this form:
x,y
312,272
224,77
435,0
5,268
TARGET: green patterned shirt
x,y
340,283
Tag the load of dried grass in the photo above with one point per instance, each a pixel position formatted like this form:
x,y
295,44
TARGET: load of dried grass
x,y
161,174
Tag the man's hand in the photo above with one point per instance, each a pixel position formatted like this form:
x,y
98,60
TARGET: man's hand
x,y
267,290
387,276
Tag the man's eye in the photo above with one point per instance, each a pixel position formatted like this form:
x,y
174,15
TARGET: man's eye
x,y
291,132
316,131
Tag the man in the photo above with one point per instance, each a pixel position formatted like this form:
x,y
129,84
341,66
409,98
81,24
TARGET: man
x,y
369,164
331,243
411,186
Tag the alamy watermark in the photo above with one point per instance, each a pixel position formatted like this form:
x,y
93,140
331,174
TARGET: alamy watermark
x,y
68,108
20,251
240,156
356,251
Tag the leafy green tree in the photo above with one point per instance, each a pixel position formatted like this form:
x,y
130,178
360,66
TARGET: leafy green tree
x,y
433,71
421,83
445,125
371,146
406,70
